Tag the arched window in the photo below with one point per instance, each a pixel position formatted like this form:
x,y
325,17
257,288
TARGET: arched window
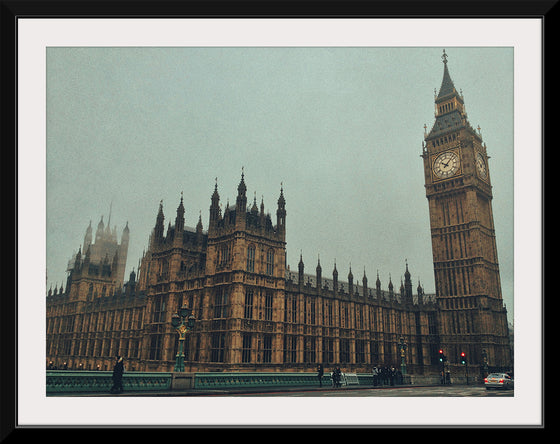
x,y
225,255
270,262
251,258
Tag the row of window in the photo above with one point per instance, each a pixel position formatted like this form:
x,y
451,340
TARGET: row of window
x,y
259,349
259,305
444,140
124,319
106,347
251,260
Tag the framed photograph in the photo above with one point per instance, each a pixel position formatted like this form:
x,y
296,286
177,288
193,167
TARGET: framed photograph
x,y
342,131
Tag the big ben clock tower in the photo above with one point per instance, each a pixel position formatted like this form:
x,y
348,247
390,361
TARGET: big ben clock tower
x,y
473,319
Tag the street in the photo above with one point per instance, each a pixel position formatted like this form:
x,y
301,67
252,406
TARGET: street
x,y
432,391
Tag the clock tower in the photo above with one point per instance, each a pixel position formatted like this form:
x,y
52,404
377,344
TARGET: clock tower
x,y
473,319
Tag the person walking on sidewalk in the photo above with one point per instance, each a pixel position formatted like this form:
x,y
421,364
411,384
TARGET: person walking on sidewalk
x,y
336,377
320,374
118,371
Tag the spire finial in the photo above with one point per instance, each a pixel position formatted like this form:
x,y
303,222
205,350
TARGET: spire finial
x,y
110,211
444,57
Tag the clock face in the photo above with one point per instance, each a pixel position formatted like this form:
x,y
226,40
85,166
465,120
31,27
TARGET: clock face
x,y
446,165
481,166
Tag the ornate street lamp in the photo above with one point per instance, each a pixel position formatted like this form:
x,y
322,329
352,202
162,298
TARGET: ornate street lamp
x,y
402,346
182,322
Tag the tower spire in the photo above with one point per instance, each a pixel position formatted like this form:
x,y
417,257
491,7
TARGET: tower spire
x,y
241,194
158,230
449,109
110,211
180,219
447,87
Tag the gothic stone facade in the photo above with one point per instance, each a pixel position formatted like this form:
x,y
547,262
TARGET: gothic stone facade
x,y
253,313
472,316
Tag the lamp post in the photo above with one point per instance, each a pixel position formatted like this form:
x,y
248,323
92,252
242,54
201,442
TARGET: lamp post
x,y
402,346
182,322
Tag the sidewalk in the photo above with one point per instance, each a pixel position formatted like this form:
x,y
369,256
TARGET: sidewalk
x,y
229,391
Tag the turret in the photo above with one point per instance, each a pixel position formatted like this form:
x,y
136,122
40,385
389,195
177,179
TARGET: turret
x,y
125,237
300,269
199,225
281,213
318,274
88,237
420,292
180,219
115,263
214,207
87,259
158,229
241,201
78,260
407,286
100,230
335,279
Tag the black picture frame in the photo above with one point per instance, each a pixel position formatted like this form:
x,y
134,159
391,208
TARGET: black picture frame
x,y
10,429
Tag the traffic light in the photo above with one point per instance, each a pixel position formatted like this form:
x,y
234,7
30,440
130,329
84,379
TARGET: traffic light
x,y
463,358
440,355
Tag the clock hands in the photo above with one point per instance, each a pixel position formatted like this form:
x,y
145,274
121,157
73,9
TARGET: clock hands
x,y
446,165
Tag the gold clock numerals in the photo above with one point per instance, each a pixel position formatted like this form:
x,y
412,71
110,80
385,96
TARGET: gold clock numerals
x,y
446,165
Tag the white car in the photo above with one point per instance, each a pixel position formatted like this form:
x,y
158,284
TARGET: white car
x,y
498,381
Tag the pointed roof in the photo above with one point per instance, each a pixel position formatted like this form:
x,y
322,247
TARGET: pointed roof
x,y
447,87
242,188
160,210
281,199
406,273
453,119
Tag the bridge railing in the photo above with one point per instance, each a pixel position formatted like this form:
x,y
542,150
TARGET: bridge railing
x,y
61,381
211,380
82,381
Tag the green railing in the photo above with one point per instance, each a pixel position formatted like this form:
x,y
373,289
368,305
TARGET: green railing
x,y
69,381
62,381
216,380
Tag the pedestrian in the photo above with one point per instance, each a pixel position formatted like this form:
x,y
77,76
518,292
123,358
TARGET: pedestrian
x,y
399,377
375,373
385,375
338,376
320,374
118,371
335,377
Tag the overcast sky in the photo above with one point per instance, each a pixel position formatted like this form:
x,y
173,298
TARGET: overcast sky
x,y
340,128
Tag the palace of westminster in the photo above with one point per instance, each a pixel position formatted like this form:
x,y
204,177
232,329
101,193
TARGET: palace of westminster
x,y
253,314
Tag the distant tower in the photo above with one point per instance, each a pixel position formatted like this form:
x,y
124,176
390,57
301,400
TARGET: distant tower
x,y
98,268
458,189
